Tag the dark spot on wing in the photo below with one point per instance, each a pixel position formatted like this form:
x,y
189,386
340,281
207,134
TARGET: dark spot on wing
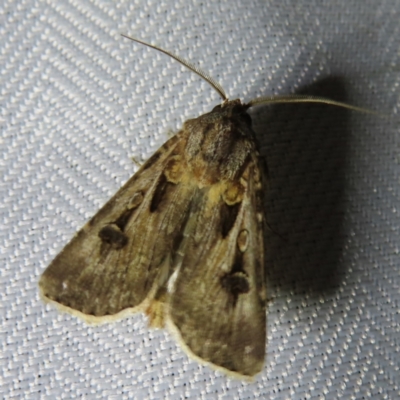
x,y
112,235
160,193
235,284
228,217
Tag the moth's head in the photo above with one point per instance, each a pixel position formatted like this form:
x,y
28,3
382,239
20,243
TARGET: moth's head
x,y
233,109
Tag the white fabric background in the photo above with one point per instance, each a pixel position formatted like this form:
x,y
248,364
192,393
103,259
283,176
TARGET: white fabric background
x,y
77,101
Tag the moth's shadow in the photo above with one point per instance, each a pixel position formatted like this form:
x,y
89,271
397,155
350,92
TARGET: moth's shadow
x,y
306,148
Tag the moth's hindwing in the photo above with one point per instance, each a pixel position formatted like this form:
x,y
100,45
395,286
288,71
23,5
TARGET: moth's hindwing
x,y
183,241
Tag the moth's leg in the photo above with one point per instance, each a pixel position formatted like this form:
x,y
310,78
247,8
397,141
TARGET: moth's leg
x,y
136,162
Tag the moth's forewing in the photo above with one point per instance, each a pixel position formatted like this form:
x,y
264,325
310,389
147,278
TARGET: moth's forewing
x,y
218,300
115,261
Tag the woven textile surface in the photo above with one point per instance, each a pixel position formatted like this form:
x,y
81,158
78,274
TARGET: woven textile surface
x,y
78,101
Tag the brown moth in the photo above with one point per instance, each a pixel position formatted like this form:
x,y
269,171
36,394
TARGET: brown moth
x,y
182,241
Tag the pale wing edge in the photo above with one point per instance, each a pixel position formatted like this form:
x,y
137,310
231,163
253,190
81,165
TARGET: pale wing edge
x,y
98,320
175,332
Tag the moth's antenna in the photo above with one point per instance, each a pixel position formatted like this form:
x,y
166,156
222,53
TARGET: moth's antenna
x,y
298,98
216,86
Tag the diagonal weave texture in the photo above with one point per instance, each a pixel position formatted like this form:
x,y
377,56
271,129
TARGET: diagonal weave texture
x,y
77,101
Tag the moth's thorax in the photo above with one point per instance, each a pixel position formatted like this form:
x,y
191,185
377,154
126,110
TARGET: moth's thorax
x,y
218,143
